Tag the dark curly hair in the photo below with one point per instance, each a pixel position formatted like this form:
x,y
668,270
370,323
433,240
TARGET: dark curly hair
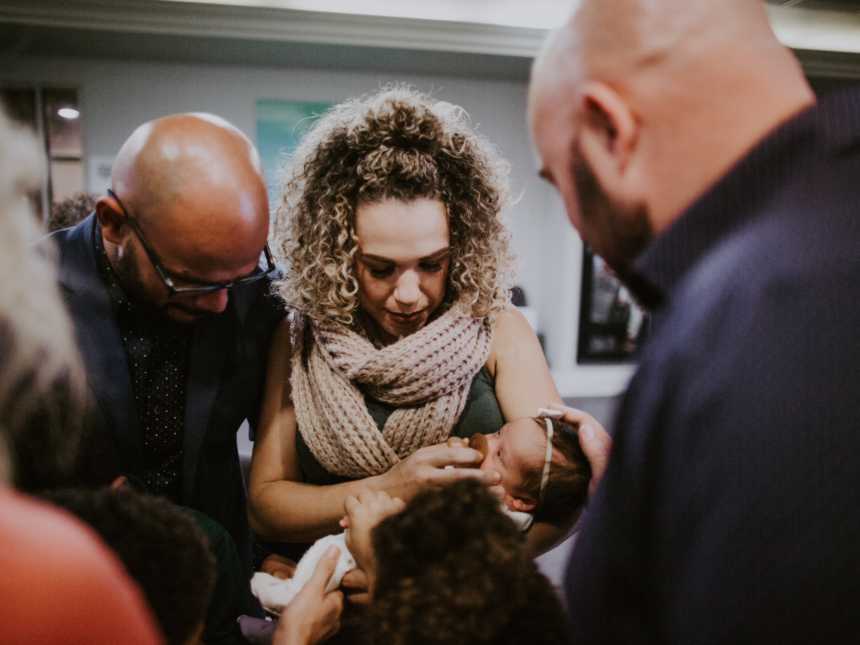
x,y
160,546
452,569
398,144
567,487
46,434
71,210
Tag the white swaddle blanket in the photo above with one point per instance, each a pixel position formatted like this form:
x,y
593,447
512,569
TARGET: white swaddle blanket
x,y
522,519
274,593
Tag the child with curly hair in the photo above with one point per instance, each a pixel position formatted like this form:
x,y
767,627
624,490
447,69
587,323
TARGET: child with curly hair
x,y
161,547
449,568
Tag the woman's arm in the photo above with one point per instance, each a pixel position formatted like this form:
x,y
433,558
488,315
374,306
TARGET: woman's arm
x,y
524,384
282,508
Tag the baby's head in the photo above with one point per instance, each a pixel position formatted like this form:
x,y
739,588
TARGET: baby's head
x,y
518,453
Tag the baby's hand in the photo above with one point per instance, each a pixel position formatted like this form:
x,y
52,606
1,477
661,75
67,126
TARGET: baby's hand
x,y
278,566
457,441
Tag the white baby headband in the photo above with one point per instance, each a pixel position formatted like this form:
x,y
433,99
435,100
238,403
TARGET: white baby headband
x,y
547,415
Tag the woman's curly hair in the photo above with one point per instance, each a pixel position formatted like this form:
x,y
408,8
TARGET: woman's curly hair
x,y
451,569
397,144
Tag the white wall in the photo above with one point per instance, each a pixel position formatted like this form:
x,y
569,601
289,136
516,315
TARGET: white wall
x,y
117,96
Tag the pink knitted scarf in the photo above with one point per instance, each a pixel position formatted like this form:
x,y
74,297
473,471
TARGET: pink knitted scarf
x,y
427,375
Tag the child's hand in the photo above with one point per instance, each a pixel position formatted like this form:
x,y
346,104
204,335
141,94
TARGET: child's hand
x,y
356,587
314,614
363,513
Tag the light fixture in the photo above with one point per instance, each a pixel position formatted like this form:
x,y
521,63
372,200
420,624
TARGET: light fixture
x,y
68,113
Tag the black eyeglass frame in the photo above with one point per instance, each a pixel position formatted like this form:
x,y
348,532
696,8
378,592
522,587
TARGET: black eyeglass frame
x,y
272,270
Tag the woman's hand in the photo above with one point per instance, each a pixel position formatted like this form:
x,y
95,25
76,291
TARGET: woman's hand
x,y
314,614
363,513
594,440
429,467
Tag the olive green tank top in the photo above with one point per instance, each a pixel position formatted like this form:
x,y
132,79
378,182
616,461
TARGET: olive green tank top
x,y
481,414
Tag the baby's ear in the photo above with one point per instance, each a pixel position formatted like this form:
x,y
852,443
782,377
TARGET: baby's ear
x,y
521,504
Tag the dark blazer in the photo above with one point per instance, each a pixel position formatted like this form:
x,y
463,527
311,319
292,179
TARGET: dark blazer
x,y
225,382
729,509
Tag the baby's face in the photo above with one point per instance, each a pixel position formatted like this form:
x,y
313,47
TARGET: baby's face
x,y
515,450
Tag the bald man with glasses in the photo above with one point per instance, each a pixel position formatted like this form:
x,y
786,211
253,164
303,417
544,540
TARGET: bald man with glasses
x,y
168,286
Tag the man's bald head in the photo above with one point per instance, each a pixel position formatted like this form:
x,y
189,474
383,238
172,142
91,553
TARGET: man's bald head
x,y
652,100
613,41
194,185
160,153
196,161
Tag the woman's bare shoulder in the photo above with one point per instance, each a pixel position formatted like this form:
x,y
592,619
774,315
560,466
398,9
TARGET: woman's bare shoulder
x,y
510,329
511,323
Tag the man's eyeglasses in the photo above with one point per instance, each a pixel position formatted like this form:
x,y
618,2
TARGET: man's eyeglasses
x,y
271,271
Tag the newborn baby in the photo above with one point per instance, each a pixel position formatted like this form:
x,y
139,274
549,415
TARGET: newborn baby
x,y
544,472
544,475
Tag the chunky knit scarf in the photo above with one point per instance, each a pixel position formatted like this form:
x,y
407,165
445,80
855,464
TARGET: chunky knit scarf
x,y
427,375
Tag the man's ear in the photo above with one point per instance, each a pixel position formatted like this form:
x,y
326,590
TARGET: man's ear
x,y
111,219
608,135
522,504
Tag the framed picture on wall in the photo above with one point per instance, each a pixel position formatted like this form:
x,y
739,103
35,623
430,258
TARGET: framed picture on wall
x,y
611,324
280,126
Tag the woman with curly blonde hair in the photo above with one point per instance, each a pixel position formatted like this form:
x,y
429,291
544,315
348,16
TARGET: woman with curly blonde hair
x,y
402,335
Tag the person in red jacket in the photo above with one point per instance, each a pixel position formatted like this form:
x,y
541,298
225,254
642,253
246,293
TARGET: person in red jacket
x,y
60,584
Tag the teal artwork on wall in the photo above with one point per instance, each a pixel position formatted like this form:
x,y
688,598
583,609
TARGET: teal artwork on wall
x,y
280,126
